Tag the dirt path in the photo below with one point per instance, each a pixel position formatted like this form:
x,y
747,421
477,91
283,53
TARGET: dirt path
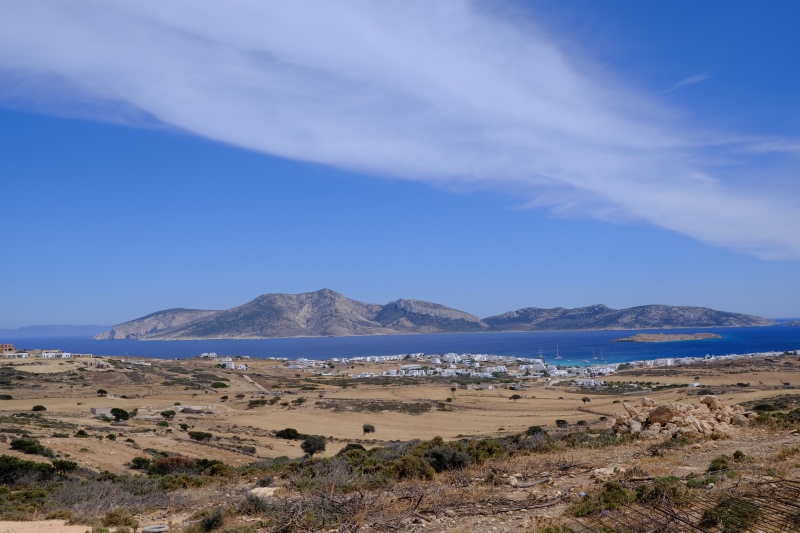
x,y
41,526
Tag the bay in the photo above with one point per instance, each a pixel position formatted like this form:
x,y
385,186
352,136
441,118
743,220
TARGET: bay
x,y
574,347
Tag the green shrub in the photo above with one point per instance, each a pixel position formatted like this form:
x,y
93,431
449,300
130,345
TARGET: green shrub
x,y
483,449
665,489
200,436
219,385
13,469
252,404
289,434
140,463
351,446
119,517
612,496
31,446
174,465
443,458
63,466
718,464
168,414
214,520
410,467
38,408
163,424
732,515
313,444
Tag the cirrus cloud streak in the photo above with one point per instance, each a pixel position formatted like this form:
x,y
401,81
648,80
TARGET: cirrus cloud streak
x,y
443,92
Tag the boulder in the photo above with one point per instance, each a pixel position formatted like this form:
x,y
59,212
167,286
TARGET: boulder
x,y
662,414
263,492
648,402
631,409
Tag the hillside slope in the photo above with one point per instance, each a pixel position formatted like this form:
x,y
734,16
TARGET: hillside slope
x,y
328,313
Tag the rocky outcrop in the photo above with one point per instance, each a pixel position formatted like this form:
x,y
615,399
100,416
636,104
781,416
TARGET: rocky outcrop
x,y
653,421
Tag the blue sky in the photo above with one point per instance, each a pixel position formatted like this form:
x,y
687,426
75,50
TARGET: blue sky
x,y
487,156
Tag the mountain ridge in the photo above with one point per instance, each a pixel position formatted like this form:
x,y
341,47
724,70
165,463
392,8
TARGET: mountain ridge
x,y
328,313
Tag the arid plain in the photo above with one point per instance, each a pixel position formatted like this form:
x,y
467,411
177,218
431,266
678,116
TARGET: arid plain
x,y
242,410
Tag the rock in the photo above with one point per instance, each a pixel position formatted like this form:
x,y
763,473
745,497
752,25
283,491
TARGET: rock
x,y
711,401
635,426
263,492
602,475
631,409
648,402
649,434
662,414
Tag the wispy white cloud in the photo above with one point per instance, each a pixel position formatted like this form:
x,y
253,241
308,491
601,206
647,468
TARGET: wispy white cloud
x,y
691,80
442,92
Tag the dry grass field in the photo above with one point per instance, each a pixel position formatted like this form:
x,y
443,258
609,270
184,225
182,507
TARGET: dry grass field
x,y
226,405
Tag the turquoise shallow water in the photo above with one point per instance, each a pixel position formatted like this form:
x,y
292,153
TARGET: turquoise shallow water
x,y
575,347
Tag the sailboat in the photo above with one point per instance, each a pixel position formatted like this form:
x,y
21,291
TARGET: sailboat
x,y
557,356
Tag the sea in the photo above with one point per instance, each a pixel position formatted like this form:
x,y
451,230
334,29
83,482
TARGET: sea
x,y
571,347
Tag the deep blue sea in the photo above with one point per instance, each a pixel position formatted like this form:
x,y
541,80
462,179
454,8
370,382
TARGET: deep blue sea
x,y
575,347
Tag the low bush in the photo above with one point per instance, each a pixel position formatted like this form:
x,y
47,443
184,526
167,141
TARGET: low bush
x,y
119,517
409,467
200,436
173,465
13,469
140,463
612,496
290,434
31,446
446,457
731,515
63,466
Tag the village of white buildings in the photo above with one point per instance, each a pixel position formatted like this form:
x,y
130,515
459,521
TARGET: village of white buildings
x,y
449,365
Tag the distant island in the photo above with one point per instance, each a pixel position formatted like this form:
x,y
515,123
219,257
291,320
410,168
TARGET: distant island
x,y
327,313
792,323
52,331
667,337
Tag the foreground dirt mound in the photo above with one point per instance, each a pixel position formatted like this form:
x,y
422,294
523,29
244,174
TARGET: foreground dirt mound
x,y
654,421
